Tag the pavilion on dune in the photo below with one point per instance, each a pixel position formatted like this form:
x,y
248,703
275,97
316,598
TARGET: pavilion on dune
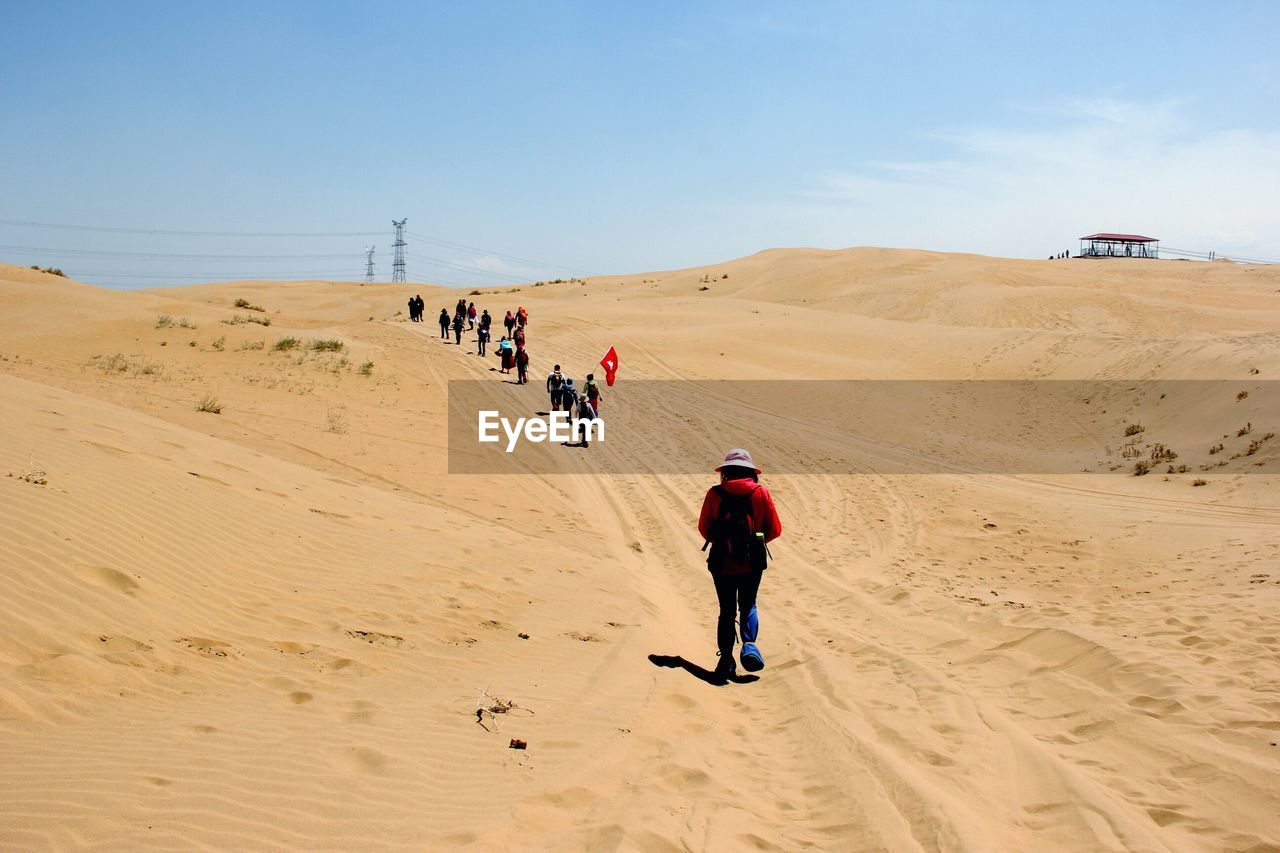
x,y
1119,246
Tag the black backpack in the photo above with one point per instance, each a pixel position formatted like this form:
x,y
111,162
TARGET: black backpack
x,y
733,534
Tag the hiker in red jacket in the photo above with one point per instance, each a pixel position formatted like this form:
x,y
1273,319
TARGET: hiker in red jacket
x,y
738,520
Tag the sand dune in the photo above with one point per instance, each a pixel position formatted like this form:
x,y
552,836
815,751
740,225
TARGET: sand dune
x,y
271,628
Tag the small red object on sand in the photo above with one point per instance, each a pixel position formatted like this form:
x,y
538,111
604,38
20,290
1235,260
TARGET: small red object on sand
x,y
516,743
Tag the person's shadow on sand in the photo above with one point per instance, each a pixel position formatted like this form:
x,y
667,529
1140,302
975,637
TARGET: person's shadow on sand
x,y
678,662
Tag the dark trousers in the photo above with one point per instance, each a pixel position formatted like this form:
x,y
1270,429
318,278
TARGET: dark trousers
x,y
737,595
444,331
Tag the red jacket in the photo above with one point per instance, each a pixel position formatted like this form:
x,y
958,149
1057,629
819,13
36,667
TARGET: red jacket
x,y
763,514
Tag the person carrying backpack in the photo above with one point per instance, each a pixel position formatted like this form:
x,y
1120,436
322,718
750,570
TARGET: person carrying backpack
x,y
507,354
737,521
522,366
568,396
592,389
554,380
586,414
457,329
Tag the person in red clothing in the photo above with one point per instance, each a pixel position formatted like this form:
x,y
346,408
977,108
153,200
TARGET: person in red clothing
x,y
738,520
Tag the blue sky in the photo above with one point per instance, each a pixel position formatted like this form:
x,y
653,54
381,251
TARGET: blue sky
x,y
613,137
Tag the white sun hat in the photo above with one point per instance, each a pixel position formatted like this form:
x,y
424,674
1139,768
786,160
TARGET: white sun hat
x,y
738,458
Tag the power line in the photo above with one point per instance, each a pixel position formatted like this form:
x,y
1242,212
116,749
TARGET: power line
x,y
170,255
505,257
461,268
22,223
169,232
221,276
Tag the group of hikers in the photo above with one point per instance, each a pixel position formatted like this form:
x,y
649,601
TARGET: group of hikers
x,y
513,354
583,406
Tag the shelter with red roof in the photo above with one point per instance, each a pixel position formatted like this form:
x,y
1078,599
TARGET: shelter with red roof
x,y
1119,246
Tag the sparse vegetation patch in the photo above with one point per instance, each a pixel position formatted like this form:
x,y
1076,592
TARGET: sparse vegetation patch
x,y
110,363
337,420
209,403
245,304
331,345
241,319
286,344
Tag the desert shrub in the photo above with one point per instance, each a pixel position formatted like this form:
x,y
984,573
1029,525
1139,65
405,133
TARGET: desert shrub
x,y
1241,396
1160,453
251,345
337,420
1217,448
330,345
366,368
704,287
1141,467
1134,429
474,293
1244,430
112,363
1199,481
164,321
209,403
148,368
184,323
245,304
219,343
286,344
239,320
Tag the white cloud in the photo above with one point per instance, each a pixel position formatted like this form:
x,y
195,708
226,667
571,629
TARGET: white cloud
x,y
1104,165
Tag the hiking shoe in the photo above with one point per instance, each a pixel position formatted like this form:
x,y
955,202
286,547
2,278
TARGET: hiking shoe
x,y
752,660
726,668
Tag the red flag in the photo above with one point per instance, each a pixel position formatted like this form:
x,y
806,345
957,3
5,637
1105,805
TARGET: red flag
x,y
610,365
